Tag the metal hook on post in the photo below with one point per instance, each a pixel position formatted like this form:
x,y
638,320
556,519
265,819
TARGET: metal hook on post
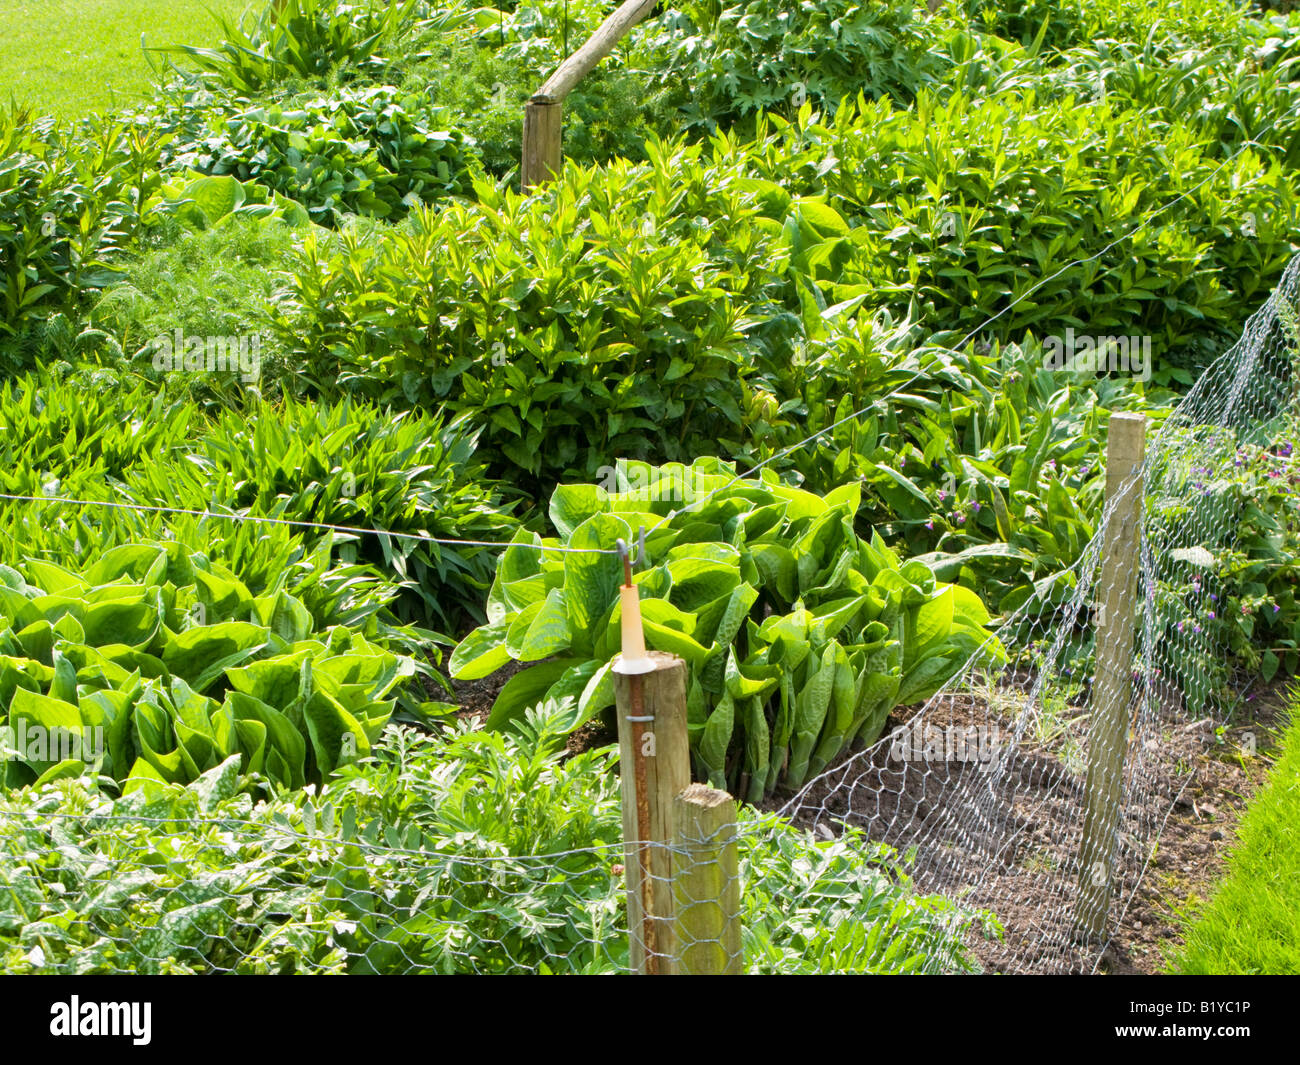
x,y
625,553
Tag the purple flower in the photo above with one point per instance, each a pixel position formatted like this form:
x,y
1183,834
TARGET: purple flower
x,y
1180,626
1197,629
961,519
1213,598
942,495
1286,451
976,506
1276,608
929,525
1210,615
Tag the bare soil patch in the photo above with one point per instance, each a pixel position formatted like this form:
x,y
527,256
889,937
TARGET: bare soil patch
x,y
1003,835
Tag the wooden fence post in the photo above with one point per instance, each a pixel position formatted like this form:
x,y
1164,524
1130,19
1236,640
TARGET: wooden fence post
x,y
542,156
1112,691
706,884
651,741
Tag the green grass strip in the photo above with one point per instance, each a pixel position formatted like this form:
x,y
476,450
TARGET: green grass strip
x,y
1252,924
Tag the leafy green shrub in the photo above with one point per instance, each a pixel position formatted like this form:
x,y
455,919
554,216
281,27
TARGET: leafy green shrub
x,y
354,465
70,201
959,207
799,636
613,315
307,39
435,858
179,667
373,151
763,55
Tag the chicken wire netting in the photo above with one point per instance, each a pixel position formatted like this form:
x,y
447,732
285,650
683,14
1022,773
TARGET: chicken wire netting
x,y
986,784
953,843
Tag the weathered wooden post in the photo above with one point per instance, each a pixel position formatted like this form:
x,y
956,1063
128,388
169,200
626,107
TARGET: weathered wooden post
x,y
655,767
1112,692
543,156
543,114
706,884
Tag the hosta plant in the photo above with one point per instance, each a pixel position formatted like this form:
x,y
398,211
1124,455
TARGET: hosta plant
x,y
162,666
799,635
374,151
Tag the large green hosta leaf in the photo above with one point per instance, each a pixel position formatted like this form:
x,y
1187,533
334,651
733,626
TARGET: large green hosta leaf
x,y
799,636
99,656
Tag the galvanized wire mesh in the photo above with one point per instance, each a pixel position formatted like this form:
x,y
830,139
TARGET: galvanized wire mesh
x,y
986,782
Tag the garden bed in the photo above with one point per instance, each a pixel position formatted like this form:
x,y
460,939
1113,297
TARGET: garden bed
x,y
1009,836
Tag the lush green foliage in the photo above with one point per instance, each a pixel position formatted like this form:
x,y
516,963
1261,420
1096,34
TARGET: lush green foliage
x,y
799,637
821,209
220,280
608,318
347,465
957,208
761,55
178,666
988,467
383,872
373,151
303,39
356,466
68,203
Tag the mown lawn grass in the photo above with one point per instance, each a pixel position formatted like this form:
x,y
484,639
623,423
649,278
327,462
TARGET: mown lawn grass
x,y
70,57
1252,923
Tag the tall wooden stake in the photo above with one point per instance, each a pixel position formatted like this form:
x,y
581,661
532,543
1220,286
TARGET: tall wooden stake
x,y
543,113
1112,692
655,762
706,884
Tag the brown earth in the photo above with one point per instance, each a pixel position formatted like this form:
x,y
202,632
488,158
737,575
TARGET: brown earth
x,y
1004,835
